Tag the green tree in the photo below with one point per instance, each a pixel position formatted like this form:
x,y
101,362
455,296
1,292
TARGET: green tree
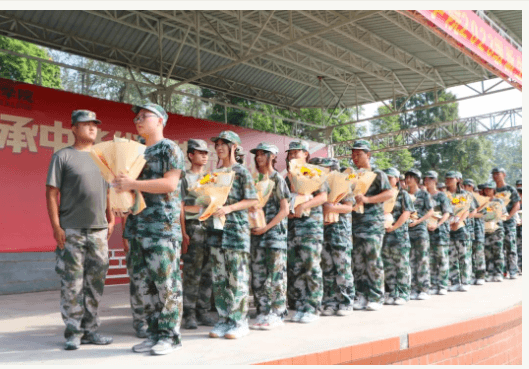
x,y
23,69
507,148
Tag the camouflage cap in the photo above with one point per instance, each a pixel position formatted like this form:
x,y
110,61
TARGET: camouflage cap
x,y
239,151
480,186
325,162
441,185
469,182
361,145
401,177
196,144
229,136
393,172
84,116
498,170
451,174
298,145
519,182
413,171
459,175
431,174
265,146
519,189
491,185
155,108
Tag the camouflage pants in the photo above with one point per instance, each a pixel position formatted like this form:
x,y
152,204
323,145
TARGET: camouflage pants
x,y
139,317
82,266
368,267
305,279
519,247
269,280
509,248
420,264
397,272
439,265
231,279
197,279
155,265
460,270
478,259
338,280
494,258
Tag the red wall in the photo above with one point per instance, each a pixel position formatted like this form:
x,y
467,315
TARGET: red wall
x,y
35,122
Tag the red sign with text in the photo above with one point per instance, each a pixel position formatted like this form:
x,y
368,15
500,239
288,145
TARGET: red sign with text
x,y
35,122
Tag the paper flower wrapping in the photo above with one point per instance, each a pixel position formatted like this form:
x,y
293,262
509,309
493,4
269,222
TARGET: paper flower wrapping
x,y
264,187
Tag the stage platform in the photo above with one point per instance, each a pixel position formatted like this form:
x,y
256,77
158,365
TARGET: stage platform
x,y
479,326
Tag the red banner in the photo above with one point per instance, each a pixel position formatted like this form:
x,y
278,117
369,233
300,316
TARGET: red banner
x,y
470,30
35,122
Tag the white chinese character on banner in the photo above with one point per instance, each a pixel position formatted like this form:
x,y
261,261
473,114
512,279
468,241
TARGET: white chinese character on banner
x,y
128,135
58,132
18,136
100,135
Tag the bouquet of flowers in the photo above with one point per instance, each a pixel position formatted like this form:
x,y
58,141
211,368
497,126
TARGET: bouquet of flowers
x,y
493,213
340,186
482,200
461,203
212,192
121,156
434,219
305,179
504,196
388,208
361,183
264,186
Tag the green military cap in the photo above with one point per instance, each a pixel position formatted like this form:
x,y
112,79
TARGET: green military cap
x,y
431,174
519,182
402,177
298,145
497,169
155,108
519,189
196,144
393,172
414,171
229,136
324,162
459,175
480,186
361,145
490,184
84,116
451,174
441,185
240,151
265,146
468,182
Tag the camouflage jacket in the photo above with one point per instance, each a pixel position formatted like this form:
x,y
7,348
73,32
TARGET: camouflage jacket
x,y
403,203
339,234
515,197
441,204
189,179
423,204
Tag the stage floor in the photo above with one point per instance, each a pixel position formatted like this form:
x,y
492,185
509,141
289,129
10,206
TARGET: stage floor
x,y
31,329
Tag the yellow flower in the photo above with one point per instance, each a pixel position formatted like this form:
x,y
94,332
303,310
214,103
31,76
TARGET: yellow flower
x,y
455,200
311,173
351,176
207,179
463,199
489,209
305,170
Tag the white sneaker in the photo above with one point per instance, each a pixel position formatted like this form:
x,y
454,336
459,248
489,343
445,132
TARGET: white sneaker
x,y
145,346
455,287
399,301
261,318
238,331
389,300
480,282
297,317
309,318
165,346
423,296
272,321
513,276
442,291
464,288
360,303
345,310
413,295
328,311
488,279
374,306
220,329
433,291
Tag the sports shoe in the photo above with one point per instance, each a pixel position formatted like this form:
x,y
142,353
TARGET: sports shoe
x,y
480,282
360,303
328,311
203,318
389,300
272,321
443,291
165,346
220,329
309,318
237,331
433,291
455,287
423,296
190,322
141,332
297,316
145,346
374,306
413,295
464,288
96,339
72,343
513,276
399,301
345,310
261,318
488,278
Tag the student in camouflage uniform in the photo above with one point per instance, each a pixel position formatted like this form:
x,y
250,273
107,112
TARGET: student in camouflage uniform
x,y
460,265
338,281
494,256
269,246
82,223
196,273
478,240
304,246
368,233
509,225
154,235
439,236
419,237
230,247
519,230
396,246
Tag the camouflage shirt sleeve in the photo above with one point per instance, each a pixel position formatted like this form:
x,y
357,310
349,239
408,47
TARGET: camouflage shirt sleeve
x,y
408,204
445,205
248,187
174,158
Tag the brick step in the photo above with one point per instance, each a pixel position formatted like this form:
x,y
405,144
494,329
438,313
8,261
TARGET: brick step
x,y
117,271
118,280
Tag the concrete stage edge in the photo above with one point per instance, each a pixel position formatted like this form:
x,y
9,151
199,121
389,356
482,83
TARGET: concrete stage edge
x,y
481,326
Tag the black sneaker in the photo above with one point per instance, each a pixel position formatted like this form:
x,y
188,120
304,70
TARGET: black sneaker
x,y
190,322
96,339
72,343
205,319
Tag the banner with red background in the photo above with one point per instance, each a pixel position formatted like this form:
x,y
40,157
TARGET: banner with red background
x,y
35,122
